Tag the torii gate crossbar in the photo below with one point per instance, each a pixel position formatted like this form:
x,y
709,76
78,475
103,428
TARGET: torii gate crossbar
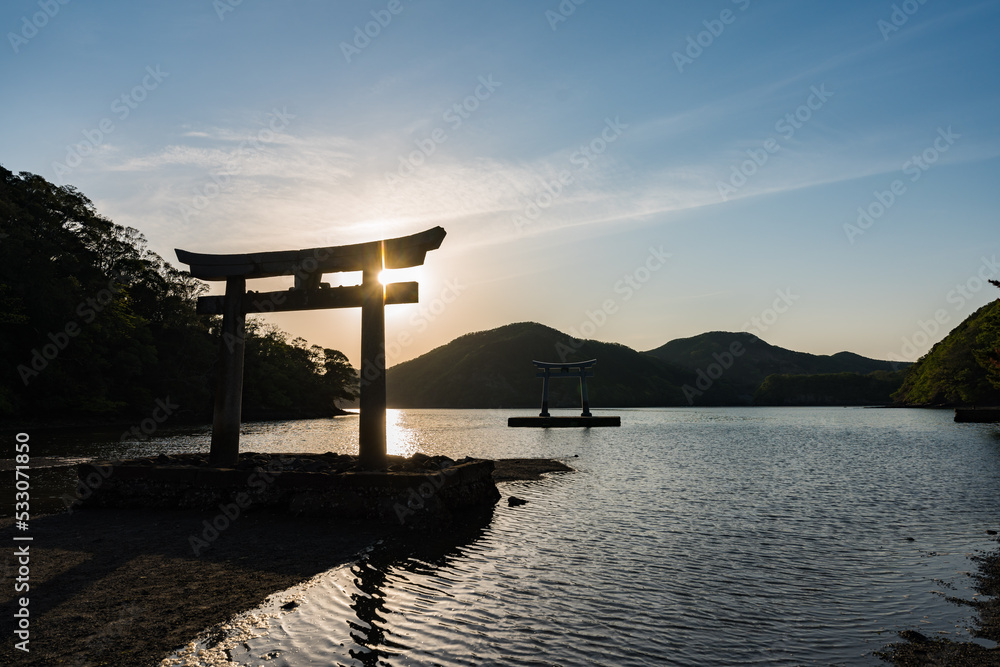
x,y
309,293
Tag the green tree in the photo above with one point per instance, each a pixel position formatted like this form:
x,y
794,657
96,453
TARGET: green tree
x,y
94,325
338,374
961,368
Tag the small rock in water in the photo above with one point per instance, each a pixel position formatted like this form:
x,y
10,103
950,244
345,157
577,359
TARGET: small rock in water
x,y
914,637
910,539
514,501
291,604
991,532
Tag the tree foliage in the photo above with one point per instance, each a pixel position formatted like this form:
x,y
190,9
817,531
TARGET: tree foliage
x,y
94,325
829,389
962,369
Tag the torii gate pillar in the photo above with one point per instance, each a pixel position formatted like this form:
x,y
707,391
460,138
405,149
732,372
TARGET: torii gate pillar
x,y
371,429
229,388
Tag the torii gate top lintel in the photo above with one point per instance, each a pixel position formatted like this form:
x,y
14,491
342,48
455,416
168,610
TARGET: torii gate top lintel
x,y
568,364
398,253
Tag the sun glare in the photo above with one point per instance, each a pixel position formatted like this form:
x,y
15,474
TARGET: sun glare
x,y
387,276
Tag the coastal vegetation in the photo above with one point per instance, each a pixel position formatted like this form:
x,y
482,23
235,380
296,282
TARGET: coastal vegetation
x,y
962,369
96,327
874,388
755,361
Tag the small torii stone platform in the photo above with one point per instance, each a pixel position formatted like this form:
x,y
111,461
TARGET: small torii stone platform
x,y
574,369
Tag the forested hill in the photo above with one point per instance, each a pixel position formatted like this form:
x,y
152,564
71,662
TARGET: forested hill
x,y
95,327
492,369
962,369
755,360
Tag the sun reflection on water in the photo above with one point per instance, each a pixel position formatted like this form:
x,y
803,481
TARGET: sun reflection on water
x,y
400,439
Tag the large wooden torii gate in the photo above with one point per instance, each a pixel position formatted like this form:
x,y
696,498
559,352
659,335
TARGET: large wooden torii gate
x,y
309,293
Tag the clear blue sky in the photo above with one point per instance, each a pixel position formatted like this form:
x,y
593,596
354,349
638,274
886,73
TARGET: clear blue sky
x,y
565,148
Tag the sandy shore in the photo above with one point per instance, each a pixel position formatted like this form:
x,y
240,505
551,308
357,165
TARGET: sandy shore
x,y
123,587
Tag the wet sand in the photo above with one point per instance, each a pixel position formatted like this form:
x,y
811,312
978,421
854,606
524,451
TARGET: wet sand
x,y
123,587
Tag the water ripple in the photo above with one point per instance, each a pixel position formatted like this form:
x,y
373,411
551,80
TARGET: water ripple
x,y
687,537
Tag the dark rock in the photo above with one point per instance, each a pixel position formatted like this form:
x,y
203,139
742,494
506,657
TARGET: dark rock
x,y
290,605
991,532
914,637
514,501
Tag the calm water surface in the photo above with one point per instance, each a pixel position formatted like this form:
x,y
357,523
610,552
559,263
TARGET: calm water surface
x,y
686,537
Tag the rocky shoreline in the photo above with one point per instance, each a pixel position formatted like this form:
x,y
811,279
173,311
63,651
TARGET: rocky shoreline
x,y
919,650
124,587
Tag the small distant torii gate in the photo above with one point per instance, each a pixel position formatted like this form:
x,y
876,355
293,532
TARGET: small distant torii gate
x,y
566,369
309,293
547,369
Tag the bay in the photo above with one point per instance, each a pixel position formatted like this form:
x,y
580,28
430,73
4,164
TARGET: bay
x,y
684,537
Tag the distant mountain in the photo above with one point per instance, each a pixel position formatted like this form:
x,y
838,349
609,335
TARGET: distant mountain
x,y
751,361
962,369
492,369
